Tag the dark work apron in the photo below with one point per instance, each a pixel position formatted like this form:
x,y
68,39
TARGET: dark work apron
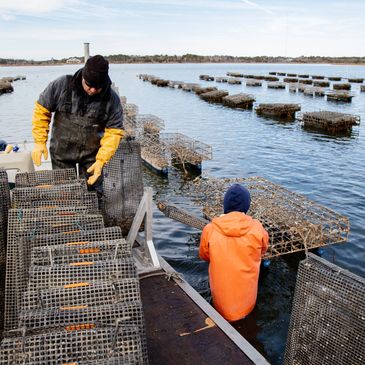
x,y
76,134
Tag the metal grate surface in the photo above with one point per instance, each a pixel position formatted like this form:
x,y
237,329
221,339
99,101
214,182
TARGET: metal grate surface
x,y
78,346
52,276
44,177
91,293
4,207
294,223
42,320
72,191
80,251
89,200
122,186
327,323
19,248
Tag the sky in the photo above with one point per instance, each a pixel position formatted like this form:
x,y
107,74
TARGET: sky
x,y
45,29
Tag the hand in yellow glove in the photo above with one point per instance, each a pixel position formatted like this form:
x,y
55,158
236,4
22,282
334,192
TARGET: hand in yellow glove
x,y
95,169
39,150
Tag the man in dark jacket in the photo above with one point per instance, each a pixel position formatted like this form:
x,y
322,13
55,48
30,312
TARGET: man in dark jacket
x,y
87,122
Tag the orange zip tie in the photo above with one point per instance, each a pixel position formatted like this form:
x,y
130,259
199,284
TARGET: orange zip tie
x,y
84,326
60,225
45,186
84,263
78,243
73,307
66,213
89,250
71,363
75,285
69,232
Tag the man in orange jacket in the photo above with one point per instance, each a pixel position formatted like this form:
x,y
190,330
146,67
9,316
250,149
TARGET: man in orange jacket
x,y
87,122
233,244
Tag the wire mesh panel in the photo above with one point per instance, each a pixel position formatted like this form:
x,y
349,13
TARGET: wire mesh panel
x,y
122,186
4,207
22,197
44,177
18,252
52,276
76,252
187,149
18,255
73,345
327,324
89,199
91,293
294,223
42,320
47,212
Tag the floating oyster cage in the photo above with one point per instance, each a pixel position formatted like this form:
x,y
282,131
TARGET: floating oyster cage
x,y
149,123
276,85
215,96
65,272
243,101
253,83
328,120
342,86
339,95
186,148
202,90
294,223
327,319
278,110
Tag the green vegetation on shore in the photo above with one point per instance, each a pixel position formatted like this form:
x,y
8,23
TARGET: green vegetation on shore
x,y
192,58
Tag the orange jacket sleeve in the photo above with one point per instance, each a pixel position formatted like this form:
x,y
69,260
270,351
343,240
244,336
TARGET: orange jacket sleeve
x,y
204,244
265,242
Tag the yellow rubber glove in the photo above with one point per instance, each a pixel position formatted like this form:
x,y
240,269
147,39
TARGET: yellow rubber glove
x,y
95,169
39,150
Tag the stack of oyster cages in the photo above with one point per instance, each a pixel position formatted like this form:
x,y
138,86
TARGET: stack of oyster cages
x,y
71,290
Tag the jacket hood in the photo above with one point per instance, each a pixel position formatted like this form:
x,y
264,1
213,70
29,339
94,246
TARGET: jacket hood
x,y
234,224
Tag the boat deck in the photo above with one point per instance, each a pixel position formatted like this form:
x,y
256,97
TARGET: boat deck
x,y
177,331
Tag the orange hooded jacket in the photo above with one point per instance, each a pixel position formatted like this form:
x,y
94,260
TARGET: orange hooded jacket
x,y
233,244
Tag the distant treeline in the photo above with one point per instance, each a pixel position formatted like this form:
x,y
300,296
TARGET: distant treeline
x,y
192,58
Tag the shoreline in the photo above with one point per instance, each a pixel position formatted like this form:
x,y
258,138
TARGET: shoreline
x,y
180,63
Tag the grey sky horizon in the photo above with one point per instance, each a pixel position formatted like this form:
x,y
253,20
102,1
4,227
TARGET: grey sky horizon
x,y
35,29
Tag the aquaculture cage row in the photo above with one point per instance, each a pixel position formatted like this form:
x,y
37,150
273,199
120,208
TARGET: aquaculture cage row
x,y
330,122
318,77
161,150
294,223
72,291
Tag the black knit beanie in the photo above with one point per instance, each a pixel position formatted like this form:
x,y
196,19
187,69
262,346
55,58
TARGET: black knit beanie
x,y
236,199
95,71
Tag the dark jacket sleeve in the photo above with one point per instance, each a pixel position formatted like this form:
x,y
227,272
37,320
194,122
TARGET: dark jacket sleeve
x,y
50,96
115,112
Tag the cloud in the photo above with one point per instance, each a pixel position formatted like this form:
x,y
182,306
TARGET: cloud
x,y
7,17
34,6
259,7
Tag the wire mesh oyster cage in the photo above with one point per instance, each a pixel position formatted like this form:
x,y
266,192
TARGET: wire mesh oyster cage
x,y
328,315
44,177
294,223
332,122
187,149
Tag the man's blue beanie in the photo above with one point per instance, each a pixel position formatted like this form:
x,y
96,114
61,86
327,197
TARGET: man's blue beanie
x,y
236,199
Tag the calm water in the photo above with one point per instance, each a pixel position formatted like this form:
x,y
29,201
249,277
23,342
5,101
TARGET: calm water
x,y
328,170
